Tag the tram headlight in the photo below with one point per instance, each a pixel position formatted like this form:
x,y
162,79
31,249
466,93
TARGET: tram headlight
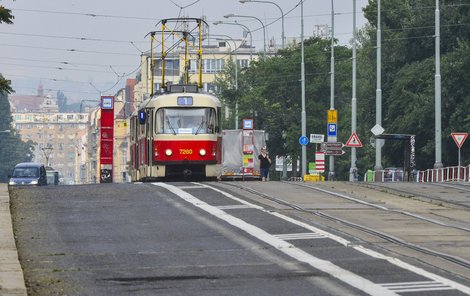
x,y
168,152
202,152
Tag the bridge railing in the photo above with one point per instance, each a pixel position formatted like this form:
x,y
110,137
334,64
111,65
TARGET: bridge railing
x,y
446,174
384,176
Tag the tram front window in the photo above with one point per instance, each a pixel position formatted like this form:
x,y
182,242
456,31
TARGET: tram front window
x,y
185,121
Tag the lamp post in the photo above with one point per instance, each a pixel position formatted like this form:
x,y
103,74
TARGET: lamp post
x,y
437,93
303,114
353,170
253,17
244,27
236,73
331,168
282,16
378,93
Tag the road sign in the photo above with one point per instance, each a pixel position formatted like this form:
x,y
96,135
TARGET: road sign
x,y
303,140
332,131
332,116
334,152
332,145
377,130
317,138
459,138
353,141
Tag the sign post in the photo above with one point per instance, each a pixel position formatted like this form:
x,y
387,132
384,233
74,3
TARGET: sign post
x,y
459,139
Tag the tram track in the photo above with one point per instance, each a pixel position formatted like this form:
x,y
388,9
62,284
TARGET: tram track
x,y
365,229
428,198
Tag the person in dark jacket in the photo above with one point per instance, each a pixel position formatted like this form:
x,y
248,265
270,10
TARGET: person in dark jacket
x,y
264,164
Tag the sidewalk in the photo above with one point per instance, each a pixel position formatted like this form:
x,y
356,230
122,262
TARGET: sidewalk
x,y
11,274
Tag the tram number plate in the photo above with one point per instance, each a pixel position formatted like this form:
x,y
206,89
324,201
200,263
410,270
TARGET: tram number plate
x,y
186,151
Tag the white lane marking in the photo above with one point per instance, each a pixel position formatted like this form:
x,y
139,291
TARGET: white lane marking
x,y
295,236
191,187
416,286
344,275
234,207
394,261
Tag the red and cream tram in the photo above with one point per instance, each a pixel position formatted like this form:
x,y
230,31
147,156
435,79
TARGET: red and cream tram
x,y
176,134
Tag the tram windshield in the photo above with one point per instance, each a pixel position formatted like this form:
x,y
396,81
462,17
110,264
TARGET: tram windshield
x,y
185,121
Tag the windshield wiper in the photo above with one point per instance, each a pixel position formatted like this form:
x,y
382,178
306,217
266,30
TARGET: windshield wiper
x,y
169,124
200,126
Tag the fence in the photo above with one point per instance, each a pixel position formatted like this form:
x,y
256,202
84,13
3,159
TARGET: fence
x,y
446,174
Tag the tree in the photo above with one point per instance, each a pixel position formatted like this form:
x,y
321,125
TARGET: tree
x,y
12,149
7,18
269,92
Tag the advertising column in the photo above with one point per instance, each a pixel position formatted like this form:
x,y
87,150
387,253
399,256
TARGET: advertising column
x,y
106,139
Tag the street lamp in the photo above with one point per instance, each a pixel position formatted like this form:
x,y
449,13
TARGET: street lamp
x,y
236,72
437,88
253,17
282,15
244,27
353,169
303,114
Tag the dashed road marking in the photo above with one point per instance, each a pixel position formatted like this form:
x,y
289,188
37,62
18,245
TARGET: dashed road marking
x,y
234,207
295,236
422,286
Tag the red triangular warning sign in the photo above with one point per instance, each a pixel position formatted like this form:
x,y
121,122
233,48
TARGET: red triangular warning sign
x,y
459,138
353,141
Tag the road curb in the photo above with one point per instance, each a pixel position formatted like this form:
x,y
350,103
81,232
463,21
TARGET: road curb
x,y
11,274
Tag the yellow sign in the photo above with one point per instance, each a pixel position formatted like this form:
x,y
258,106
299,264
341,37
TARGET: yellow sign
x,y
332,116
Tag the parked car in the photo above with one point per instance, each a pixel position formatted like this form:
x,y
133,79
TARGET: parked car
x,y
28,173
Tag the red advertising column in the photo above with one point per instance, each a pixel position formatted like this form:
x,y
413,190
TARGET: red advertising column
x,y
106,139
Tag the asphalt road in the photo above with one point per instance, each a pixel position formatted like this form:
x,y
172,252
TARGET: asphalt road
x,y
185,239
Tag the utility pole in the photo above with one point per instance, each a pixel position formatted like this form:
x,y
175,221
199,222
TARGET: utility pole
x,y
353,170
378,93
437,93
331,167
302,73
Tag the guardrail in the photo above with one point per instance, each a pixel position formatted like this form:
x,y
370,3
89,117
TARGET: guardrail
x,y
446,174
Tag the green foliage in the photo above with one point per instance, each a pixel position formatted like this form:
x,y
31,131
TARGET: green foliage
x,y
269,92
5,15
12,149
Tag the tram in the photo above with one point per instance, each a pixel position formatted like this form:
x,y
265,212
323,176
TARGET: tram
x,y
177,134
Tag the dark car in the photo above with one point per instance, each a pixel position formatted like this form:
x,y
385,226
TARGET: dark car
x,y
28,173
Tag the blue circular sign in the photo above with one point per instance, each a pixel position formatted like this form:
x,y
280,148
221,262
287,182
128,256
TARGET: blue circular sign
x,y
303,140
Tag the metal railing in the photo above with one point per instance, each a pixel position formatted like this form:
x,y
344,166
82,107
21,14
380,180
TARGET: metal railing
x,y
446,174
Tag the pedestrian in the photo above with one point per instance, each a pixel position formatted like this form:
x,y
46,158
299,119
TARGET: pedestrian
x,y
264,164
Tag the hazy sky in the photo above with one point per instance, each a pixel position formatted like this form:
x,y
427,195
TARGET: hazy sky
x,y
79,46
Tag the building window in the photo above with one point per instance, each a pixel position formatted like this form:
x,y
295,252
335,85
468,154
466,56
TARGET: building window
x,y
172,67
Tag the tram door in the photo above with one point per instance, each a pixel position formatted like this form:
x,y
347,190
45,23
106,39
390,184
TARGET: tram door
x,y
149,140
